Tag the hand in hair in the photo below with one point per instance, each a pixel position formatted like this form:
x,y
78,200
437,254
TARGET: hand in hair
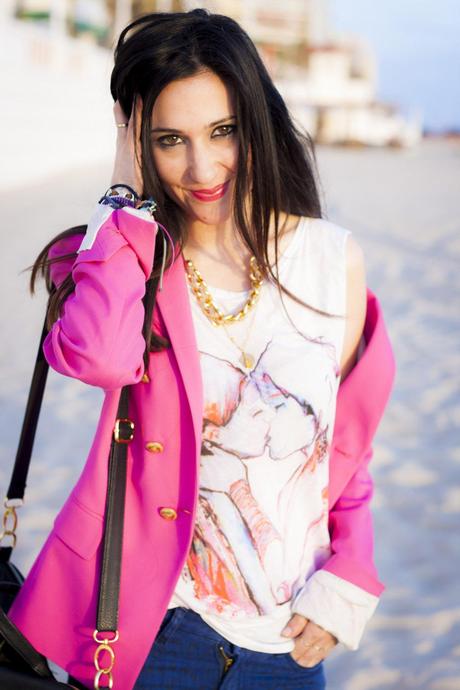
x,y
127,167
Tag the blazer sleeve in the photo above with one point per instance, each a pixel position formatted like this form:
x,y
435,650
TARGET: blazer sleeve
x,y
98,338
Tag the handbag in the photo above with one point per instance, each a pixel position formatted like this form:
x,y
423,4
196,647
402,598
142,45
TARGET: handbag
x,y
22,667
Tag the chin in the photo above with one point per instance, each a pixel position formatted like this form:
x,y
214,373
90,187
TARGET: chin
x,y
210,216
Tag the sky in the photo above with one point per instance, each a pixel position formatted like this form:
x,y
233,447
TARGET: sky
x,y
417,44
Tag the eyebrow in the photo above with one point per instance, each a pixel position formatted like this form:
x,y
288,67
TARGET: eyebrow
x,y
178,131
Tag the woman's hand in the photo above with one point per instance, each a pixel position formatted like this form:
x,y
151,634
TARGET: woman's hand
x,y
127,167
312,643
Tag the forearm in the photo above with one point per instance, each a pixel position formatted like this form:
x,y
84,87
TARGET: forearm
x,y
98,338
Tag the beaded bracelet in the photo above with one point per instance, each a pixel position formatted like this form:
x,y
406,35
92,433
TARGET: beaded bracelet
x,y
117,201
130,198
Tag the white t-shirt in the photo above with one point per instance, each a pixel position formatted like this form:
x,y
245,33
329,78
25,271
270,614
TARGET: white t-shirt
x,y
262,519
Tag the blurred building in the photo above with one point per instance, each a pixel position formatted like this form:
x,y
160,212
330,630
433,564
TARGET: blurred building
x,y
332,93
329,86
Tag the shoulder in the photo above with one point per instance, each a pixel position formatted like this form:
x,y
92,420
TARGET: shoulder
x,y
325,229
354,257
338,240
327,237
356,276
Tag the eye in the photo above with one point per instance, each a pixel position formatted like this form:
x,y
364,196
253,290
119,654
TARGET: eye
x,y
169,140
225,130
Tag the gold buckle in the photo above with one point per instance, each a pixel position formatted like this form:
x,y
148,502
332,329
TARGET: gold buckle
x,y
104,645
123,431
10,514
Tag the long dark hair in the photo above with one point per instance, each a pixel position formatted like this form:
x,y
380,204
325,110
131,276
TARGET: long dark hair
x,y
156,49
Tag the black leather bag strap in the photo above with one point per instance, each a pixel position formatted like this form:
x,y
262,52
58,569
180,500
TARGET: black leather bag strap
x,y
109,590
18,481
107,616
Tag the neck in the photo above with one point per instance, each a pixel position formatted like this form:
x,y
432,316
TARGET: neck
x,y
220,255
219,242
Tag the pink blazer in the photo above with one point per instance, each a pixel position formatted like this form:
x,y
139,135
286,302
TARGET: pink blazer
x,y
98,340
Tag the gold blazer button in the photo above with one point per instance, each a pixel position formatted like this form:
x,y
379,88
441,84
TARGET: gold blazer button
x,y
154,447
168,513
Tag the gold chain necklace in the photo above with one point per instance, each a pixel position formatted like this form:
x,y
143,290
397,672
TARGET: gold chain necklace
x,y
206,301
216,315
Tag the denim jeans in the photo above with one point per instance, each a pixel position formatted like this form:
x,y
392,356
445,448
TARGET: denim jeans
x,y
189,655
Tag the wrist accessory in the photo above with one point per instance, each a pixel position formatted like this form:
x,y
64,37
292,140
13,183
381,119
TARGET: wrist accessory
x,y
149,205
117,201
122,190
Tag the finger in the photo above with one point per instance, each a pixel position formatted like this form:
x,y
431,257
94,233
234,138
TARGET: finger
x,y
138,110
118,113
313,644
309,652
314,634
309,660
295,626
135,133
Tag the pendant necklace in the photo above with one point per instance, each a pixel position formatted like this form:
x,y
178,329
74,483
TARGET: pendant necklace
x,y
246,358
216,315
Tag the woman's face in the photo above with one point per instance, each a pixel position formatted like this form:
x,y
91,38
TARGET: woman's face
x,y
195,146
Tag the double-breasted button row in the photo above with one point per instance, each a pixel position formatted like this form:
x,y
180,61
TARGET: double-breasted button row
x,y
154,447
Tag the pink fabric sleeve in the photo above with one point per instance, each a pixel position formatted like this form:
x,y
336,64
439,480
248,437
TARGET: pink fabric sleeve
x,y
351,530
61,269
98,338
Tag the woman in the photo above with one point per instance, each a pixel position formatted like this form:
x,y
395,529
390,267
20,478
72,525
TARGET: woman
x,y
247,505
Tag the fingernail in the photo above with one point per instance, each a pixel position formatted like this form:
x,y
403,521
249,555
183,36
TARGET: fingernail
x,y
286,631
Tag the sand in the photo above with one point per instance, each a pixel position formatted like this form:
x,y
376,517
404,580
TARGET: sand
x,y
402,207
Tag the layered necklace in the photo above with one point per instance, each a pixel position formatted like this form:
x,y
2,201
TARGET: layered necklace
x,y
216,315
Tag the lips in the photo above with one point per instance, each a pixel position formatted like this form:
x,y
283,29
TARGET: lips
x,y
210,194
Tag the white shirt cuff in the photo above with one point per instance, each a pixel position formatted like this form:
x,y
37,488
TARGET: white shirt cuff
x,y
338,606
100,215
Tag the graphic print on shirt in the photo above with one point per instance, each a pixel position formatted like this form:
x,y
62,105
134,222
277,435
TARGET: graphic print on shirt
x,y
260,515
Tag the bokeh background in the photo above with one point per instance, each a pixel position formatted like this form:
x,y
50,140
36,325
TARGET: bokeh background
x,y
378,87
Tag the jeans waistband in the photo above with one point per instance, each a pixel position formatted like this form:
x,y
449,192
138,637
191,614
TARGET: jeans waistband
x,y
191,621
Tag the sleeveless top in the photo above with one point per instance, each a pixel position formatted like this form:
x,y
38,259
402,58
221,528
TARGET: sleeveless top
x,y
261,528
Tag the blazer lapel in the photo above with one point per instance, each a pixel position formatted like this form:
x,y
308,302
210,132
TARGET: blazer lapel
x,y
174,305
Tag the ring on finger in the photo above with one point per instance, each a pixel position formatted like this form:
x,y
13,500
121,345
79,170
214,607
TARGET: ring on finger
x,y
122,124
317,647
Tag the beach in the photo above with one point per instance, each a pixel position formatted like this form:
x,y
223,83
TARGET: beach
x,y
402,207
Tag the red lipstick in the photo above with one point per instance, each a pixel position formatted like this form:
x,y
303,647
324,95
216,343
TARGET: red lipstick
x,y
210,194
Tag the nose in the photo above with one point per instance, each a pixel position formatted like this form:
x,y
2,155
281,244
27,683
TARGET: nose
x,y
202,165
